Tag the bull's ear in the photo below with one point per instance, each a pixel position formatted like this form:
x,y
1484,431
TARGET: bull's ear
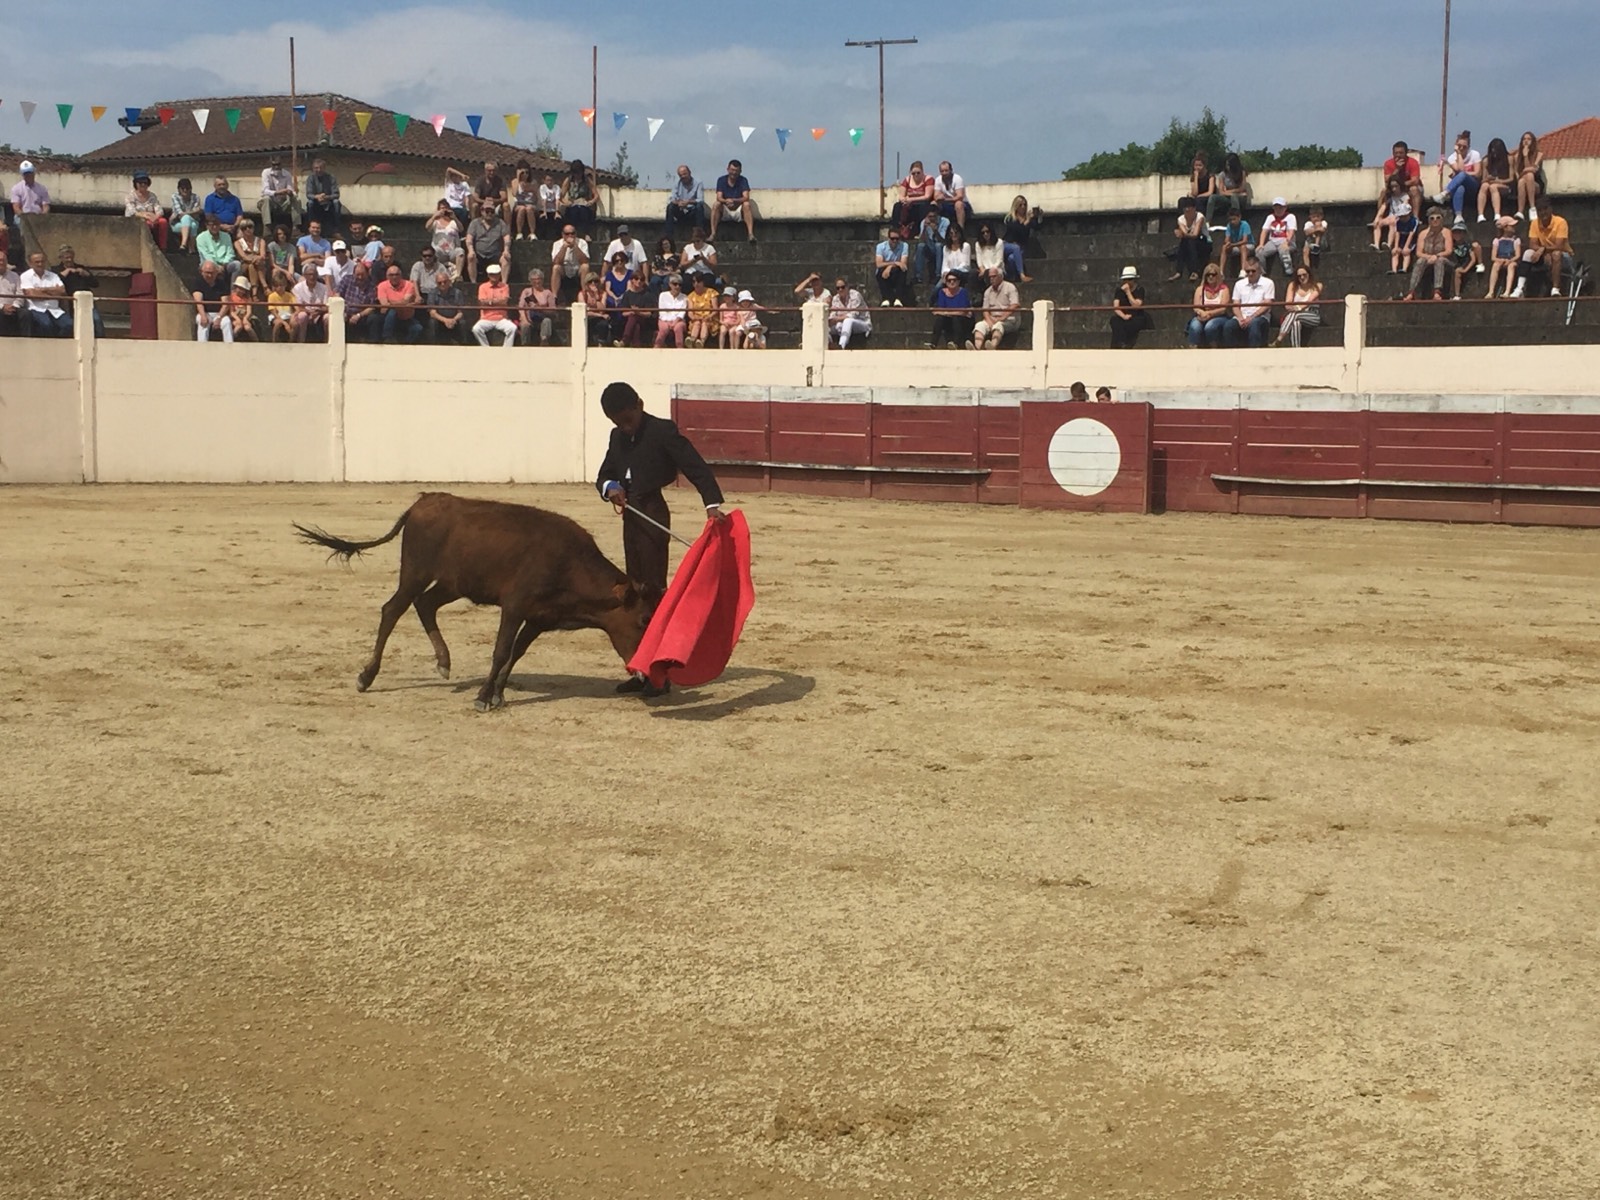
x,y
626,592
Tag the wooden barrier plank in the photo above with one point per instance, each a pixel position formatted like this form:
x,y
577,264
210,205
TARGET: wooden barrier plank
x,y
1086,457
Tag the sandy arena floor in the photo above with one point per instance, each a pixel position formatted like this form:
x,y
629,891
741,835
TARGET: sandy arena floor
x,y
1019,854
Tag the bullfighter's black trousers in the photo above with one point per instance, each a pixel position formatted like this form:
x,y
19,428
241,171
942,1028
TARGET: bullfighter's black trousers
x,y
644,547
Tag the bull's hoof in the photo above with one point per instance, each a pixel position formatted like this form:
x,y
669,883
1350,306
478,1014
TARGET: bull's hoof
x,y
444,670
362,683
489,705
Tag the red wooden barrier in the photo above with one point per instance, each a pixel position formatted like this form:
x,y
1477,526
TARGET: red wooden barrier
x,y
1086,457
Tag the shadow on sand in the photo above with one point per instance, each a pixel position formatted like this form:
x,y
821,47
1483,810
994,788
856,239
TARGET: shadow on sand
x,y
737,689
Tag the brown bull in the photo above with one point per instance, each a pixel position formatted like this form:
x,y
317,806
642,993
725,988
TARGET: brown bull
x,y
542,569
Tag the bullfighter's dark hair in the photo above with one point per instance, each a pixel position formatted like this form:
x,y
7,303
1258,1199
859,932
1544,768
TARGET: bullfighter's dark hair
x,y
619,398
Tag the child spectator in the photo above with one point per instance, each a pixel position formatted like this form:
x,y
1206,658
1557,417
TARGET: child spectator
x,y
1316,237
730,324
548,222
1529,169
1503,259
1499,181
1465,257
1193,241
1403,244
1212,305
750,327
457,195
1235,242
242,311
280,308
1277,238
702,308
1300,307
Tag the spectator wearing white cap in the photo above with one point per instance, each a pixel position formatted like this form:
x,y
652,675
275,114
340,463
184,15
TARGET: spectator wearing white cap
x,y
626,243
1278,231
1128,317
755,333
29,196
336,266
495,298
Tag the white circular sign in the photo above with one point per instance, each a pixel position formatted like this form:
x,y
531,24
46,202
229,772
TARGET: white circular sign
x,y
1085,456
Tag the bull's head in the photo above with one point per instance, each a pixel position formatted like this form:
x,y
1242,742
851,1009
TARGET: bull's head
x,y
626,623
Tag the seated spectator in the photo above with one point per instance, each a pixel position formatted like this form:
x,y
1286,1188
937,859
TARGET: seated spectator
x,y
488,241
751,329
597,310
615,281
313,248
1466,169
987,254
322,197
702,309
216,245
29,196
536,311
142,203
1015,233
891,261
950,194
1403,244
627,244
952,313
186,214
672,313
457,196
281,254
425,274
337,267
927,243
448,323
44,292
733,201
444,233
1466,256
310,304
1234,243
1201,185
491,189
370,245
1192,249
569,261
1503,257
1278,231
1002,313
700,258
1230,190
1394,210
1433,253
811,288
387,257
580,195
362,317
13,309
210,298
1549,243
664,265
1498,181
1212,307
1317,238
75,279
252,255
1301,307
524,203
916,200
223,205
1528,166
280,308
278,201
957,257
1128,317
1102,395
730,326
1401,162
1078,393
494,297
548,222
241,311
687,206
1253,294
398,302
848,315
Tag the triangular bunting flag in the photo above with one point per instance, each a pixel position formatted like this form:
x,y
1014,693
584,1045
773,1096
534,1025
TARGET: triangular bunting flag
x,y
362,120
231,116
64,111
619,119
329,116
132,115
855,136
400,123
550,121
816,134
201,116
266,114
166,115
437,121
512,121
587,114
96,111
745,131
783,139
473,121
27,110
655,124
300,112
711,131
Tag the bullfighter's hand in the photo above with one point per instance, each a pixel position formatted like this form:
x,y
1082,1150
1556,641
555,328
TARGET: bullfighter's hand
x,y
715,513
616,495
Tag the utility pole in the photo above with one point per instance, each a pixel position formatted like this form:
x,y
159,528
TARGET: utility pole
x,y
880,43
1444,99
294,141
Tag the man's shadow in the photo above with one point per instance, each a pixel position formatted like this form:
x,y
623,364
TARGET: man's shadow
x,y
736,689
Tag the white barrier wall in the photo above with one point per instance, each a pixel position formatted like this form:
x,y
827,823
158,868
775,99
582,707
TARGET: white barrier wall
x,y
41,412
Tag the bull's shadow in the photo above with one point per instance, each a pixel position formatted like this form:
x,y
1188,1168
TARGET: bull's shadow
x,y
736,689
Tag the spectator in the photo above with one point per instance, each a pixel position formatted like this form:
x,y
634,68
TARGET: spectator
x,y
1316,237
279,202
579,197
733,201
928,247
811,288
1400,162
13,308
338,266
386,258
398,301
1433,253
1403,244
313,249
597,310
1102,395
638,312
1209,325
702,308
524,203
1015,233
1277,237
750,326
280,307
1002,313
700,258
950,193
625,242
1504,257
569,259
1230,189
1549,242
1235,242
241,311
494,297
447,319
986,253
310,304
730,325
664,265
491,189
952,313
1394,213
536,311
186,213
444,233
425,274
687,205
223,205
957,257
362,318
210,298
281,253
615,281
216,245
1301,307
1077,393
322,196
29,196
1466,177
1466,256
1499,181
1201,184
488,241
848,315
1192,241
1253,294
916,200
1128,317
44,291
75,279
252,254
457,196
548,223
672,313
142,203
1529,169
371,246
890,262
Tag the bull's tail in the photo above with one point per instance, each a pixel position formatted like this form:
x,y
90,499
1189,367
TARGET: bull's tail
x,y
344,549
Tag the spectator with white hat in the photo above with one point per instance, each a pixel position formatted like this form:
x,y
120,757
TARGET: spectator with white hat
x,y
29,196
755,333
495,297
1278,231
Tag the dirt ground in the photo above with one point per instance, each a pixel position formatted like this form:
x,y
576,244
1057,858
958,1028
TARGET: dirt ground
x,y
1019,854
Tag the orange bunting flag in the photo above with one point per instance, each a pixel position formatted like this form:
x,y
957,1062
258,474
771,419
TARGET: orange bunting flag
x,y
266,115
816,134
587,114
329,116
97,111
512,121
361,121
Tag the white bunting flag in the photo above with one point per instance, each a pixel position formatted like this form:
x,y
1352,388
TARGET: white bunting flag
x,y
745,131
655,124
201,116
27,110
711,131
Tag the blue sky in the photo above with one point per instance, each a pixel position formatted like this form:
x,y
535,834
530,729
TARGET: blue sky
x,y
1007,92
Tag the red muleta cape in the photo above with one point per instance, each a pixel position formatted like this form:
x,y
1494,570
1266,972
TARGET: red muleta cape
x,y
693,633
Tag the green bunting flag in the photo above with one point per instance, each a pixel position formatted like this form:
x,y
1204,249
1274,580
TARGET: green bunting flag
x,y
855,136
64,111
231,115
400,123
550,121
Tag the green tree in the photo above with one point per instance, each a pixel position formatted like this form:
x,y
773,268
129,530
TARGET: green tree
x,y
621,166
1174,151
548,146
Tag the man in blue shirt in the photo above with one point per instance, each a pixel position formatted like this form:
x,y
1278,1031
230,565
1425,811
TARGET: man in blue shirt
x,y
733,200
313,248
224,205
890,263
687,207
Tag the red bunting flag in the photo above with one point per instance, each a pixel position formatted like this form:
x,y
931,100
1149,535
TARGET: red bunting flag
x,y
166,114
329,116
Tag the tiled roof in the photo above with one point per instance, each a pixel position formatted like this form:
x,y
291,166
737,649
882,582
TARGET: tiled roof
x,y
12,159
181,137
1581,139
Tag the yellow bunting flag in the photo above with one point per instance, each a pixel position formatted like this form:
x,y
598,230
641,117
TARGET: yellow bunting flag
x,y
361,122
266,115
97,111
512,121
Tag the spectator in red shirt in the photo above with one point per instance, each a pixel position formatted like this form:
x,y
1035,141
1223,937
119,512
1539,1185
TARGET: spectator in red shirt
x,y
1400,160
398,300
